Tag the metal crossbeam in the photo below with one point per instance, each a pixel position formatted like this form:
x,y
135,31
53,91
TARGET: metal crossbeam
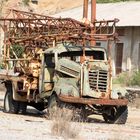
x,y
33,31
28,27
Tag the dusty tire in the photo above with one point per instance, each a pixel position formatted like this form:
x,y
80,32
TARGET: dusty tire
x,y
10,106
39,106
79,114
22,107
52,106
118,116
122,115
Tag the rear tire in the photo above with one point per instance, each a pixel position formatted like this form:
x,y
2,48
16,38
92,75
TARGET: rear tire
x,y
39,106
23,107
10,106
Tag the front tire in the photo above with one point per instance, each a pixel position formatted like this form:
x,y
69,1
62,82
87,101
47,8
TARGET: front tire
x,y
52,106
118,115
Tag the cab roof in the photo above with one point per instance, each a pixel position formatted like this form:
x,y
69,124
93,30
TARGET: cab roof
x,y
68,48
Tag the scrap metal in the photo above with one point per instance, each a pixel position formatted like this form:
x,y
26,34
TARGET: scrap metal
x,y
28,27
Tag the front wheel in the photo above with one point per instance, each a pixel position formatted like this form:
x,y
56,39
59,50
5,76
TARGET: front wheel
x,y
118,115
53,106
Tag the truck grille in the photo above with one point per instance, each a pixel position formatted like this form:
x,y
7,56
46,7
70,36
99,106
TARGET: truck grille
x,y
98,80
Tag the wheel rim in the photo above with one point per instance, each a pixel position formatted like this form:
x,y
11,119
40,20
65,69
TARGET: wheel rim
x,y
113,114
112,117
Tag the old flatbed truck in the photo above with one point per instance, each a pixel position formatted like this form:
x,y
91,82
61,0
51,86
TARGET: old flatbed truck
x,y
58,66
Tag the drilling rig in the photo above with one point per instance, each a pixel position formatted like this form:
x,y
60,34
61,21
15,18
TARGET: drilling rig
x,y
52,61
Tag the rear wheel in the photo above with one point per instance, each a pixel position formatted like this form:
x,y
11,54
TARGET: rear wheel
x,y
22,107
118,115
10,106
39,106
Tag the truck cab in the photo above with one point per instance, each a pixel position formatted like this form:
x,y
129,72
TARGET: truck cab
x,y
82,78
64,65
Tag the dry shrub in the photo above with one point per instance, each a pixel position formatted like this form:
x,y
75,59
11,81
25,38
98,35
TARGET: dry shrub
x,y
137,102
62,125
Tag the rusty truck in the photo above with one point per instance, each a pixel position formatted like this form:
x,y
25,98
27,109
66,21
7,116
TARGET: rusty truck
x,y
50,61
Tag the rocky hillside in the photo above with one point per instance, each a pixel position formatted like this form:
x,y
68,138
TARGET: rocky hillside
x,y
12,4
46,7
54,6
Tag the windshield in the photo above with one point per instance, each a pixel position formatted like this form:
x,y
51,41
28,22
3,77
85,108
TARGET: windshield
x,y
90,55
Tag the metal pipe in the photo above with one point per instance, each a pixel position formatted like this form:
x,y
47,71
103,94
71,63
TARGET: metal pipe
x,y
81,80
85,9
93,19
93,11
109,46
17,59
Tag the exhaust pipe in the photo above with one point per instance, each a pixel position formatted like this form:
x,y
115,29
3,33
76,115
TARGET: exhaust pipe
x,y
93,11
85,9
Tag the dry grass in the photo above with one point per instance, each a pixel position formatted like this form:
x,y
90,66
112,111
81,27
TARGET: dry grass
x,y
135,104
62,125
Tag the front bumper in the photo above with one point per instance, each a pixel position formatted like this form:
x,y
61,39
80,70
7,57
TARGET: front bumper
x,y
91,101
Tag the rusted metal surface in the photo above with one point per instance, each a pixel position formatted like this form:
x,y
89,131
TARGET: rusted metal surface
x,y
28,28
33,31
93,101
93,19
93,11
110,68
85,9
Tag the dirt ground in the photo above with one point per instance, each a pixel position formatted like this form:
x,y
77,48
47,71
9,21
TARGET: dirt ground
x,y
34,126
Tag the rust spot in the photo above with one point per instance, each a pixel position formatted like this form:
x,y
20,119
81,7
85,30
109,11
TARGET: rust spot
x,y
93,101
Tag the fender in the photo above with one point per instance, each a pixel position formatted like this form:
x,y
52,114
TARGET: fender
x,y
12,87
